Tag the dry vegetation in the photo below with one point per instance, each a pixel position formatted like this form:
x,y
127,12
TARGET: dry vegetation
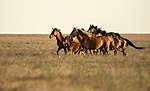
x,y
29,63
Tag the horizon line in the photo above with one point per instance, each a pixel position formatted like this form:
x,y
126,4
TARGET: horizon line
x,y
63,33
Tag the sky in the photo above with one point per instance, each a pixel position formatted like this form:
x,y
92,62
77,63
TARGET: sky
x,y
40,16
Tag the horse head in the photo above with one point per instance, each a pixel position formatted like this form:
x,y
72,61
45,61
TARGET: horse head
x,y
92,28
54,32
74,32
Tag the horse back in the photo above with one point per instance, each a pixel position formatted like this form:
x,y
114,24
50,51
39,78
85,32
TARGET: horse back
x,y
107,38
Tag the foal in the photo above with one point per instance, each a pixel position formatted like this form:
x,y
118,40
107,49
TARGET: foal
x,y
72,44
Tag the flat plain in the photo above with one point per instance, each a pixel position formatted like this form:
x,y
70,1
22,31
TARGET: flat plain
x,y
30,63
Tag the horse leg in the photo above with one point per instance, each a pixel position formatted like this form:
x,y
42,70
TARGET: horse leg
x,y
106,52
65,51
79,51
124,53
115,52
85,50
107,48
91,51
76,51
82,51
59,48
96,52
101,51
72,50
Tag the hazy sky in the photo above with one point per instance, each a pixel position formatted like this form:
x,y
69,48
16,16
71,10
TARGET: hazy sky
x,y
39,16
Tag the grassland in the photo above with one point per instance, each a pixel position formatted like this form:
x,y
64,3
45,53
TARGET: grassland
x,y
29,63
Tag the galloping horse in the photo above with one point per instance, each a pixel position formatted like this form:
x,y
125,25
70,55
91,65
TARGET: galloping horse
x,y
73,45
90,43
120,42
60,38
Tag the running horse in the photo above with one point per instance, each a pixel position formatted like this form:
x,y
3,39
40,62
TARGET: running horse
x,y
60,38
73,45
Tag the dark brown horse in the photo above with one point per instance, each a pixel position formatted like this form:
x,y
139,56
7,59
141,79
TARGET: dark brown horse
x,y
60,38
91,43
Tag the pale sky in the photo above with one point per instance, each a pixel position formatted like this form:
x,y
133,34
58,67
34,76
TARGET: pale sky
x,y
39,16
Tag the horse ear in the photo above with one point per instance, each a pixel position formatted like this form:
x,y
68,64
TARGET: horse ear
x,y
82,29
52,28
74,27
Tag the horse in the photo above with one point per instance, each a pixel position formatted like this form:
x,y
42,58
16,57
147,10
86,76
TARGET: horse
x,y
120,42
60,38
90,43
73,45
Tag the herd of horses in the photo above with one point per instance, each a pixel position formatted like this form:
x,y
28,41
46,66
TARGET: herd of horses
x,y
94,40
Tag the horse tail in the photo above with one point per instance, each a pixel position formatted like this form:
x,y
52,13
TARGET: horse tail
x,y
131,44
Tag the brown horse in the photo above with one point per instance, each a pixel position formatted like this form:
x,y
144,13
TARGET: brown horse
x,y
91,43
73,45
60,38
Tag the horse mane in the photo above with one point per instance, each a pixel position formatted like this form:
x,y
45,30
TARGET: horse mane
x,y
98,31
85,34
61,35
104,33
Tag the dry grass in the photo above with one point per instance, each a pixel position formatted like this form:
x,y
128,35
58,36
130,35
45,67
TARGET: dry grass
x,y
29,63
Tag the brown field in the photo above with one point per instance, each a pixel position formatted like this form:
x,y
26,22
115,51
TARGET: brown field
x,y
30,63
